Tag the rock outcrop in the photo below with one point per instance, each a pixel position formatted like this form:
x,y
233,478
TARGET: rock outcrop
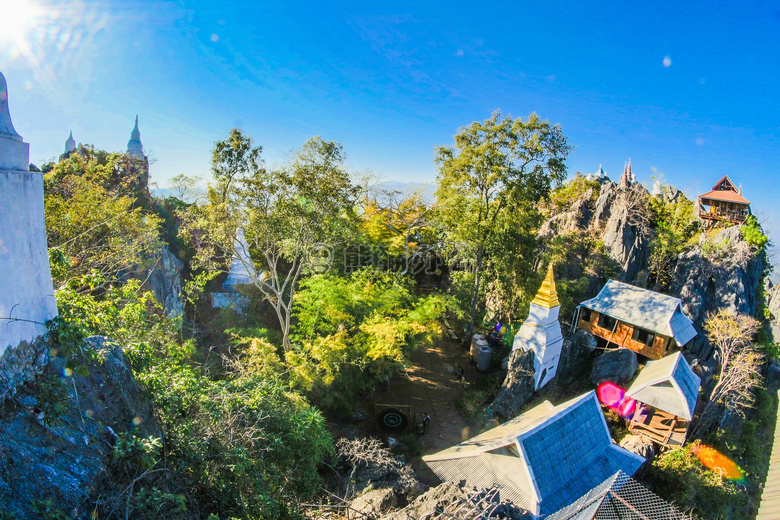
x,y
617,366
639,445
164,280
518,387
575,353
617,215
718,273
57,433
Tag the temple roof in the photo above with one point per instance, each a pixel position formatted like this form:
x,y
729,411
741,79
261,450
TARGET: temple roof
x,y
725,190
668,384
643,308
547,296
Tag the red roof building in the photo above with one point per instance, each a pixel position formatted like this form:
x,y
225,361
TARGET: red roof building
x,y
725,202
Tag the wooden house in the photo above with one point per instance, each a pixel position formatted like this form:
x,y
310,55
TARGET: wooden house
x,y
647,322
666,392
724,203
544,459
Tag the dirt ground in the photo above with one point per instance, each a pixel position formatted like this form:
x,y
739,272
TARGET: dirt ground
x,y
432,387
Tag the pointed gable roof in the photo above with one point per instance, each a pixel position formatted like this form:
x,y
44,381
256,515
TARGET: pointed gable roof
x,y
643,308
725,191
668,384
544,459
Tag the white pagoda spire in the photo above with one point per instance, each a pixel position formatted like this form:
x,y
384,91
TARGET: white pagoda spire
x,y
70,144
541,331
134,146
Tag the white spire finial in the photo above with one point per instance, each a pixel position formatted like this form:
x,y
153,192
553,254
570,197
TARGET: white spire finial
x,y
6,126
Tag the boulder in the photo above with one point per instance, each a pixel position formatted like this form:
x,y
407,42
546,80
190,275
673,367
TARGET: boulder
x,y
374,502
639,445
575,353
518,387
617,366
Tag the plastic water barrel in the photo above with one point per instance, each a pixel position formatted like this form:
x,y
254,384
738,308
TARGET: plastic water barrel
x,y
475,349
484,355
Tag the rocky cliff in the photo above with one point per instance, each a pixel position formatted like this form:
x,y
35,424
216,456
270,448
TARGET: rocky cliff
x,y
58,433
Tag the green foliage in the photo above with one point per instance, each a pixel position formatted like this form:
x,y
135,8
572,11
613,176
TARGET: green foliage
x,y
96,218
52,399
563,197
245,447
47,510
754,234
355,331
131,453
675,226
154,503
493,176
477,395
287,214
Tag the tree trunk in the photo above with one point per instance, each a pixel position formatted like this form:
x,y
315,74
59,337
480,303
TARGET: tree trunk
x,y
475,299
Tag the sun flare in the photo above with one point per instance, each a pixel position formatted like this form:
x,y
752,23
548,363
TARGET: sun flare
x,y
18,16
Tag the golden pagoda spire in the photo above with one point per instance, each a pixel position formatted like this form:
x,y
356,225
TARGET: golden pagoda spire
x,y
547,296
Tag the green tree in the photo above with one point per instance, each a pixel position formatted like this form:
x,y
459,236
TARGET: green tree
x,y
287,214
740,366
96,221
497,167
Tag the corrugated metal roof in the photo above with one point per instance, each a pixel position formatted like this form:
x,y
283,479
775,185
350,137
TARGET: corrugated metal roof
x,y
503,435
640,307
770,498
668,384
682,328
565,451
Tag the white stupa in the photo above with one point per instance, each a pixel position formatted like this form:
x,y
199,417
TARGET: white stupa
x,y
134,146
26,292
70,143
541,332
242,268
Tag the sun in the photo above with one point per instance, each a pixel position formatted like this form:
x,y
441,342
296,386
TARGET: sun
x,y
16,18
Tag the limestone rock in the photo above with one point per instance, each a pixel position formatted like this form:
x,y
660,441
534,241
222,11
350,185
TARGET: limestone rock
x,y
624,240
772,295
66,461
721,273
574,355
617,366
639,445
164,281
375,502
578,217
518,387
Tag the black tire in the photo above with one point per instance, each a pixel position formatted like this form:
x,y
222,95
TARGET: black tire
x,y
392,420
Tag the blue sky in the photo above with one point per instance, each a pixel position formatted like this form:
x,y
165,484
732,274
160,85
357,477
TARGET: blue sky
x,y
688,89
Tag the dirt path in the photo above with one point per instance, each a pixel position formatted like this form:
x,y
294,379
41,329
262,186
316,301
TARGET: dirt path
x,y
431,386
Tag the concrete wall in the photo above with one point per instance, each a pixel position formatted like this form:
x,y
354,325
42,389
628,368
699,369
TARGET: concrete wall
x,y
26,289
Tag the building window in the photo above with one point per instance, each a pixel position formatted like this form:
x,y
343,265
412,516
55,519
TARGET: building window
x,y
643,336
585,314
606,322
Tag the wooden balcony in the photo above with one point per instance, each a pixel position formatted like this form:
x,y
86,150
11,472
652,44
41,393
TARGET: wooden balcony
x,y
733,216
661,427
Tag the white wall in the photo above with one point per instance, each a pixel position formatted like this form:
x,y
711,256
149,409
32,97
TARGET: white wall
x,y
25,279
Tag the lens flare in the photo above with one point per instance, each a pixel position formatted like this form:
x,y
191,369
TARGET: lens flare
x,y
716,461
614,397
610,394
